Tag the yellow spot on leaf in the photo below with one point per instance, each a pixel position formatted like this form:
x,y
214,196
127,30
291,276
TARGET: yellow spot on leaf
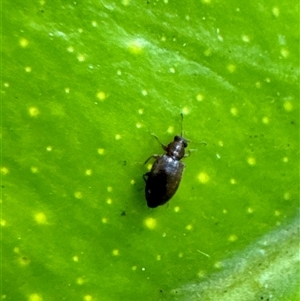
x,y
136,47
258,85
170,129
100,151
185,110
189,227
251,161
234,111
266,120
24,42
33,111
288,106
101,95
81,58
201,274
40,218
34,169
87,298
78,195
80,280
232,238
75,258
284,52
250,210
149,166
200,97
231,68
245,39
203,177
35,297
4,170
177,209
150,223
208,52
276,11
116,252
70,49
218,265
88,172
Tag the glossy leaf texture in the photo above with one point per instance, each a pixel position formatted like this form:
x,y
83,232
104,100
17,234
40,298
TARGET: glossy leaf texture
x,y
84,84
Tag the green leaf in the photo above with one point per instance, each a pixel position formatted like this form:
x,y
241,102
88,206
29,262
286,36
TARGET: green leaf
x,y
84,84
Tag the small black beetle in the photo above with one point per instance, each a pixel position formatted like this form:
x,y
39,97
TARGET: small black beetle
x,y
165,175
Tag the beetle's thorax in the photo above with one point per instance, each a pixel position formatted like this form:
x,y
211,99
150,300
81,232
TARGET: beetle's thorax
x,y
176,148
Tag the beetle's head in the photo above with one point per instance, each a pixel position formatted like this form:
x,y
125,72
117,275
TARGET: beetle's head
x,y
181,140
176,148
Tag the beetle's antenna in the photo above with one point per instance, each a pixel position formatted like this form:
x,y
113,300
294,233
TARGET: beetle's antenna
x,y
181,124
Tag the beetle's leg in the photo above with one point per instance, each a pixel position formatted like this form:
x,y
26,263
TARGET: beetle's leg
x,y
162,145
189,152
145,175
153,156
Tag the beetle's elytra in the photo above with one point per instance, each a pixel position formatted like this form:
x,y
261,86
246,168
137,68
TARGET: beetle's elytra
x,y
165,175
